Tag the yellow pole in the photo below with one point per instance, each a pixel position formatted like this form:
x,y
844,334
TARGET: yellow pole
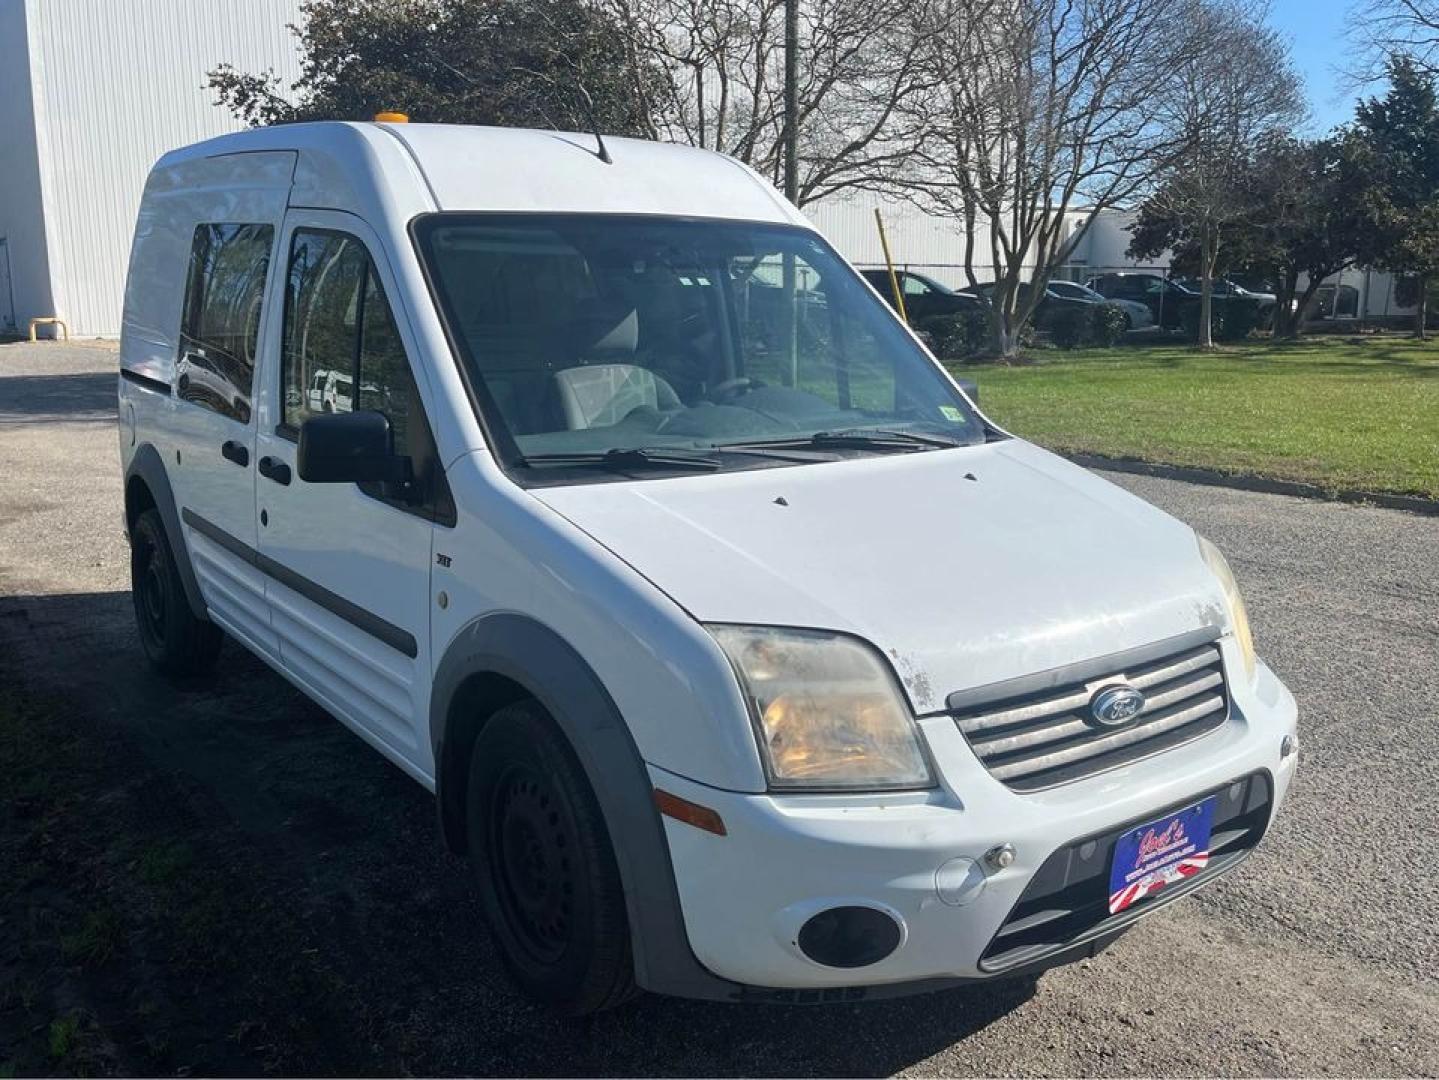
x,y
889,262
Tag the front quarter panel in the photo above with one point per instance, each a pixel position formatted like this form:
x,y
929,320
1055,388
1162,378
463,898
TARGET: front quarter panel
x,y
508,552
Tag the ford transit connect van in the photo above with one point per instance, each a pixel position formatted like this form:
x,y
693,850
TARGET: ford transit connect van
x,y
747,659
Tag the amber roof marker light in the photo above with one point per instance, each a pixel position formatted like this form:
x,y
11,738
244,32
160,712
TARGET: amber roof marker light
x,y
392,118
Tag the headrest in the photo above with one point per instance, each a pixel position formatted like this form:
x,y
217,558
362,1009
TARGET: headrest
x,y
605,328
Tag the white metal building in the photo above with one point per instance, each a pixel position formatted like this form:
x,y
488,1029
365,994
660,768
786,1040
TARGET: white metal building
x,y
92,92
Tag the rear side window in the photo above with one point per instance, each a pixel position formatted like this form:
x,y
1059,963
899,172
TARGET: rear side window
x,y
220,324
341,351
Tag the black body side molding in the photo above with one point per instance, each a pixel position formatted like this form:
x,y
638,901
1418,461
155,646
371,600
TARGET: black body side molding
x,y
397,638
158,386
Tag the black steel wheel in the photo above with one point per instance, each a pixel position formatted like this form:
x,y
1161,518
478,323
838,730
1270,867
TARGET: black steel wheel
x,y
531,844
547,874
177,642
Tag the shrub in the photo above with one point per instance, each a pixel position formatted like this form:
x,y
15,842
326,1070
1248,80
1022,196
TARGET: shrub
x,y
1107,324
956,337
1230,320
1077,327
1070,327
1241,318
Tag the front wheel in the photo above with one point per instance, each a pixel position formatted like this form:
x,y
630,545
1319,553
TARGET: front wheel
x,y
547,873
177,642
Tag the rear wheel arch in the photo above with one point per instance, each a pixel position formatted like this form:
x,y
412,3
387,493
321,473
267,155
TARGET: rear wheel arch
x,y
138,499
147,485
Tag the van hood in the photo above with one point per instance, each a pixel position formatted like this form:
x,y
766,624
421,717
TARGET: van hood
x,y
964,566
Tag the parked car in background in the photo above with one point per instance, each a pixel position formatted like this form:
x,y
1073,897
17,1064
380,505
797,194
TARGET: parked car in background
x,y
1228,289
1334,302
1173,304
924,297
1050,306
1138,315
1166,300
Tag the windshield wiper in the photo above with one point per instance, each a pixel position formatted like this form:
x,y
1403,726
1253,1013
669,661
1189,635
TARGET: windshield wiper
x,y
886,435
629,457
856,439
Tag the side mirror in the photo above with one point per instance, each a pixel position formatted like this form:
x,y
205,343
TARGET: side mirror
x,y
971,389
349,448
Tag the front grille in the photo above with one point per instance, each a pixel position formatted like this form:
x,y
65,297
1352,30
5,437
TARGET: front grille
x,y
1066,903
1038,738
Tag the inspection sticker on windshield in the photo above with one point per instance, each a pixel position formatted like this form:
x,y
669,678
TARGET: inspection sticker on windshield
x,y
951,413
1159,853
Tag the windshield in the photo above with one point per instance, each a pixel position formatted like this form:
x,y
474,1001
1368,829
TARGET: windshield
x,y
935,286
1074,291
588,334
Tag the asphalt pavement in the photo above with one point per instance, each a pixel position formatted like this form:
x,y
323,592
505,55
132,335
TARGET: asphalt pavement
x,y
1317,956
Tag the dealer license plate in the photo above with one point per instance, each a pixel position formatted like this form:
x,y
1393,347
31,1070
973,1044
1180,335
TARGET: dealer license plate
x,y
1160,853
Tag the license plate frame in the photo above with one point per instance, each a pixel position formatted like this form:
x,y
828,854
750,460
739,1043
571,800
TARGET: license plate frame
x,y
1161,852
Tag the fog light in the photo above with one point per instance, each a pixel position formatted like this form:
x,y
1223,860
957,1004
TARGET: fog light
x,y
1289,746
849,937
1000,857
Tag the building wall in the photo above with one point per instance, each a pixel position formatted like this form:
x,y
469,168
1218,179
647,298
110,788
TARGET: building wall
x,y
116,84
24,272
920,241
929,243
1105,244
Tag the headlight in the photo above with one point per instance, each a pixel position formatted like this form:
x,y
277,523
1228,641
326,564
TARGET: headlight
x,y
826,710
1238,617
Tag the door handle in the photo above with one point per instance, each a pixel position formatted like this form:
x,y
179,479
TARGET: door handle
x,y
236,452
274,469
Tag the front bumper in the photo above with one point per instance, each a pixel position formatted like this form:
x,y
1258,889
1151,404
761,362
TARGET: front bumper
x,y
919,856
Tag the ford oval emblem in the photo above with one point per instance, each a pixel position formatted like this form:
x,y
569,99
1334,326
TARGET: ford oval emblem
x,y
1113,706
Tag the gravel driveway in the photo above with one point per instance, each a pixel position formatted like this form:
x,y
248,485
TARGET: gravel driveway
x,y
355,946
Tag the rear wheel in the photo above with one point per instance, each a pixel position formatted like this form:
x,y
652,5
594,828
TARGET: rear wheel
x,y
546,870
177,643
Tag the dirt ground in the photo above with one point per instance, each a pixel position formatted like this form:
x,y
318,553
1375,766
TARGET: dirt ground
x,y
220,879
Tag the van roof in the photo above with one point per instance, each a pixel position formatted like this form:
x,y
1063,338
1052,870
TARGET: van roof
x,y
411,168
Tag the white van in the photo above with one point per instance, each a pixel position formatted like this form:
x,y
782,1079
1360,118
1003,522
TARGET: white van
x,y
747,659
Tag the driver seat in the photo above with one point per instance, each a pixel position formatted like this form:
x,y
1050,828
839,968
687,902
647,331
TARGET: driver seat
x,y
606,390
600,395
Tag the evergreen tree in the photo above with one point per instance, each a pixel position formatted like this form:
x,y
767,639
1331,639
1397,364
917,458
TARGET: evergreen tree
x,y
1396,142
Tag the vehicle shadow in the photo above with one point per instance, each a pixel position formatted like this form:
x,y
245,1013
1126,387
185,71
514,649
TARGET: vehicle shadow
x,y
45,398
319,927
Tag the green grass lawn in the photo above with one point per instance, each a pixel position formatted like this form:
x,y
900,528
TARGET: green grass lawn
x,y
1347,414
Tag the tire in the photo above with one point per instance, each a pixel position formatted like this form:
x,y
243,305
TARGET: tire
x,y
178,644
547,874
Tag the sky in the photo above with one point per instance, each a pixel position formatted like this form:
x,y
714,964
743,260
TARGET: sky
x,y
1317,32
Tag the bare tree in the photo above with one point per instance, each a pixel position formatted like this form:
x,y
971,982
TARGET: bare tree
x,y
1228,101
1040,108
1387,28
723,78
